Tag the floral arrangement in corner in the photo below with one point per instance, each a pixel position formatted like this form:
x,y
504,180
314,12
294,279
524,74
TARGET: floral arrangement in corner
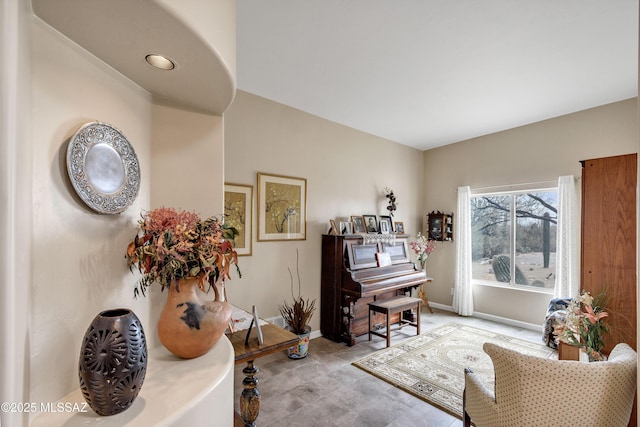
x,y
584,325
175,244
423,247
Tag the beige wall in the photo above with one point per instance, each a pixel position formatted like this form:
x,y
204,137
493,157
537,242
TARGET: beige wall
x,y
78,255
346,172
78,263
538,152
187,165
15,200
77,266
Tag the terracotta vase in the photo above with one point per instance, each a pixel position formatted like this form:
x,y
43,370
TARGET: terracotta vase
x,y
189,326
113,361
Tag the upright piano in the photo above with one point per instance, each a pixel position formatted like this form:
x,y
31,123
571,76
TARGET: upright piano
x,y
354,274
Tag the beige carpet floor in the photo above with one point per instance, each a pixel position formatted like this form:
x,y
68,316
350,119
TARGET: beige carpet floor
x,y
431,366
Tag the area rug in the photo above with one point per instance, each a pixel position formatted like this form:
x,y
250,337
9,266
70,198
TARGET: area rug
x,y
431,366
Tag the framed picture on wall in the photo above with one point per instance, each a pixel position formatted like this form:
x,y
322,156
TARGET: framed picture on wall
x,y
282,207
238,213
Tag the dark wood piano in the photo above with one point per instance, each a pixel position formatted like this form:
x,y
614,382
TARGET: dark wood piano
x,y
351,278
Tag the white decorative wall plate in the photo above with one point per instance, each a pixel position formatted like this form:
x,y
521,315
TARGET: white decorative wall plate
x,y
103,168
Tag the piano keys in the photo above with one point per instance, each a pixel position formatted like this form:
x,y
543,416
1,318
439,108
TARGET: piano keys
x,y
351,279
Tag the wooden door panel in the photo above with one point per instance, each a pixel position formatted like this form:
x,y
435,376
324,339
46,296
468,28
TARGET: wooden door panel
x,y
608,240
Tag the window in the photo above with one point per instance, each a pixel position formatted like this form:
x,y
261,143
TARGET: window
x,y
513,237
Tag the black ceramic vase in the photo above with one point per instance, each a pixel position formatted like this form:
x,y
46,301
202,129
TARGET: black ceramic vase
x,y
113,361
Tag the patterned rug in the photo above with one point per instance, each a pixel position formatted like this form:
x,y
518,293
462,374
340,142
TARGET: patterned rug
x,y
431,366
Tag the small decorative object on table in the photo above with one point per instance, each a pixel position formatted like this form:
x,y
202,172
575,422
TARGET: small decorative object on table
x,y
584,324
297,316
113,361
185,254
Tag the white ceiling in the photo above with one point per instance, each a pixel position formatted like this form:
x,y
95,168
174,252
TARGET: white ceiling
x,y
427,73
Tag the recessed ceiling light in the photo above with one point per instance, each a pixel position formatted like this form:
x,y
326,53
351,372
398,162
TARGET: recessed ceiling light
x,y
160,61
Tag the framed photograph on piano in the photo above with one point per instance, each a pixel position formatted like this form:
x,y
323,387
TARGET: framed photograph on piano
x,y
399,227
370,223
358,224
362,255
386,226
398,250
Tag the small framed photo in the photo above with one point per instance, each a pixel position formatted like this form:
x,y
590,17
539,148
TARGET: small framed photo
x,y
334,229
255,323
358,224
282,208
256,320
370,223
346,227
238,213
399,227
386,226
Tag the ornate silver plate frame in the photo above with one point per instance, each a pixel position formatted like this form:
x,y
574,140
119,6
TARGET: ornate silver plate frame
x,y
103,168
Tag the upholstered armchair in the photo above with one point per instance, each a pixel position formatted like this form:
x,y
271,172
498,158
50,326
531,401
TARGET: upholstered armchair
x,y
531,391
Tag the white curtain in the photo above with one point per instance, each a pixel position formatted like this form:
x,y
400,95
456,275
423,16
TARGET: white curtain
x,y
463,291
567,250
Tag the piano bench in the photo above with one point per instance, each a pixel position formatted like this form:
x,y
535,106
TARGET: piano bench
x,y
391,306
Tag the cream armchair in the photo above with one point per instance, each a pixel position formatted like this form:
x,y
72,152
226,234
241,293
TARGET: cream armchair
x,y
530,391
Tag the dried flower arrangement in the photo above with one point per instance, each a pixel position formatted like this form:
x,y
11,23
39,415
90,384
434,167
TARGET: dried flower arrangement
x,y
298,314
174,244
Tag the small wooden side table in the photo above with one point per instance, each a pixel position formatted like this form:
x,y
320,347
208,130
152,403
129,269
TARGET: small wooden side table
x,y
423,295
275,339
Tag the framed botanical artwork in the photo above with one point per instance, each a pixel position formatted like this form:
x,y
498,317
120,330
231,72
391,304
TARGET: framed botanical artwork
x,y
399,227
358,224
238,213
370,223
385,226
282,208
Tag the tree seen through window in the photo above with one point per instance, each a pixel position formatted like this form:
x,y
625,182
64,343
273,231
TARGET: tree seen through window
x,y
514,237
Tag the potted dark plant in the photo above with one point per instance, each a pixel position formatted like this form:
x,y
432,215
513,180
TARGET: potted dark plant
x,y
297,316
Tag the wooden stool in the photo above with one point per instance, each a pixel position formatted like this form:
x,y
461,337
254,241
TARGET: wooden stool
x,y
391,306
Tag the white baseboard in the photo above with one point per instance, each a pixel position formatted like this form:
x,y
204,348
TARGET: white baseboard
x,y
279,321
315,334
498,319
